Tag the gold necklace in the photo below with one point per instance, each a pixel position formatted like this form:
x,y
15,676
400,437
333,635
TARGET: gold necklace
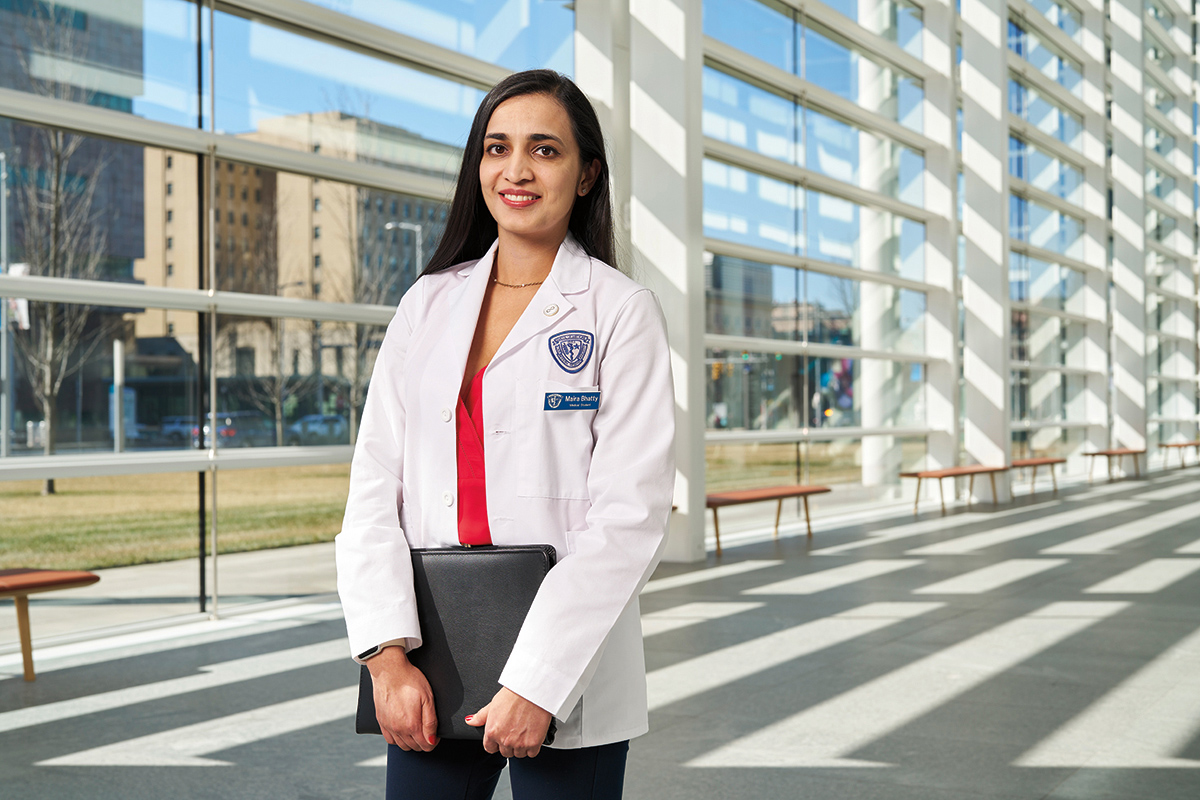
x,y
517,285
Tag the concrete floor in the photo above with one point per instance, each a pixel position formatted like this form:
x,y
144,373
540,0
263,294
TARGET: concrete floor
x,y
1049,648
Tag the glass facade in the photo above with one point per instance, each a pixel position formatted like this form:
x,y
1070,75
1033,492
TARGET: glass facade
x,y
301,174
776,34
307,262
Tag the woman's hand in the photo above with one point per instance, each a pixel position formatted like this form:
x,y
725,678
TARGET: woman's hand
x,y
514,727
403,701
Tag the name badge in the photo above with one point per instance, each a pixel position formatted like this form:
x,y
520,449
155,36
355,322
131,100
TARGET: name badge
x,y
572,401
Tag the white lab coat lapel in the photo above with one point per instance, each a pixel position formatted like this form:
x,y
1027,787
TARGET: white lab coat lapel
x,y
453,343
568,275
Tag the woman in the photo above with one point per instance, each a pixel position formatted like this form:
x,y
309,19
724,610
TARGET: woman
x,y
522,395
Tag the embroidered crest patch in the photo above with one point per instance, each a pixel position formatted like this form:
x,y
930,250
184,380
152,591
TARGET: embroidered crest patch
x,y
572,349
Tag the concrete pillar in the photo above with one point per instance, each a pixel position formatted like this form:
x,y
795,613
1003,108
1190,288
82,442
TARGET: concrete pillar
x,y
1091,299
1128,295
641,62
984,275
941,235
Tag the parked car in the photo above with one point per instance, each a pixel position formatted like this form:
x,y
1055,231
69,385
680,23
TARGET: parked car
x,y
238,429
318,429
176,429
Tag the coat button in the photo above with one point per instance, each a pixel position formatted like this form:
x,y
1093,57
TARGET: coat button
x,y
550,310
448,498
447,415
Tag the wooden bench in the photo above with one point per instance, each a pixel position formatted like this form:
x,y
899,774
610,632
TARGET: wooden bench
x,y
1117,453
20,583
1181,446
780,493
954,472
1036,462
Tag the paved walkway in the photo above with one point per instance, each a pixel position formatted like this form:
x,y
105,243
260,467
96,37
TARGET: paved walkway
x,y
1045,649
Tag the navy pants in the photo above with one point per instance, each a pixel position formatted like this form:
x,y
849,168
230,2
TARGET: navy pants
x,y
459,769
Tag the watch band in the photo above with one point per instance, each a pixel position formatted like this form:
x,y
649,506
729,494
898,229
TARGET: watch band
x,y
374,651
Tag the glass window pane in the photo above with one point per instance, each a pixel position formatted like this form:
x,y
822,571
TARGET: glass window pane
x,y
831,309
843,232
66,402
77,207
291,91
291,382
749,298
765,30
277,508
833,65
372,244
751,466
1044,227
1051,442
742,114
753,391
848,153
895,393
1029,46
135,58
743,206
834,401
527,36
103,522
899,22
1045,284
1044,171
1028,104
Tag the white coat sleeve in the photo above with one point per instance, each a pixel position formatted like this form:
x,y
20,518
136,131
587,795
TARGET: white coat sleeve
x,y
630,486
374,567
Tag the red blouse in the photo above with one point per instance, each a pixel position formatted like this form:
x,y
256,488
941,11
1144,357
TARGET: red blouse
x,y
472,489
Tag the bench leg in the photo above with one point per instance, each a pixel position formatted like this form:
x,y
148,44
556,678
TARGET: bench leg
x,y
970,490
1054,478
942,494
807,521
22,603
717,530
995,497
778,513
1033,481
1091,467
917,499
1137,472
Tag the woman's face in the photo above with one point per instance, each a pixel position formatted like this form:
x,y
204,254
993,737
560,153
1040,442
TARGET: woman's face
x,y
531,170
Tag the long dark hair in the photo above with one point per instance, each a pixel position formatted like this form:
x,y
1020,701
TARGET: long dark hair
x,y
470,228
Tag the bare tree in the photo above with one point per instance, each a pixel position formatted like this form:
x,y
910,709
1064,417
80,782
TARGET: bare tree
x,y
62,235
60,229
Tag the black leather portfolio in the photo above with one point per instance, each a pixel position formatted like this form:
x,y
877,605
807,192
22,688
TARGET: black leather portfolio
x,y
471,602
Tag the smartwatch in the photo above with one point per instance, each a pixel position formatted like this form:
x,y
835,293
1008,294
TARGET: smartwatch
x,y
377,649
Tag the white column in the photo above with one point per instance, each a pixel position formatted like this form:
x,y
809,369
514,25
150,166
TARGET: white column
x,y
1092,351
642,64
1128,299
941,316
984,76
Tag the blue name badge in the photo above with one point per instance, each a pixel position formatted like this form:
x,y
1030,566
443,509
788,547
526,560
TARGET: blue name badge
x,y
572,401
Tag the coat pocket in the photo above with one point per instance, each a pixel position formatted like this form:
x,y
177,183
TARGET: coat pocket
x,y
554,438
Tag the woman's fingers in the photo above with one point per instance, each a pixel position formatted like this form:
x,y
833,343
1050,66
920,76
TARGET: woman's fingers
x,y
403,702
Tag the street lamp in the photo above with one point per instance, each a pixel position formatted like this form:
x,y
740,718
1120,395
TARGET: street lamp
x,y
409,226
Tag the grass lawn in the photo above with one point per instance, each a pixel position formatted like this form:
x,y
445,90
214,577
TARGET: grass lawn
x,y
133,519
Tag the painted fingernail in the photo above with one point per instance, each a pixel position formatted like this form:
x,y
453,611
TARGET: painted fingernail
x,y
470,717
431,740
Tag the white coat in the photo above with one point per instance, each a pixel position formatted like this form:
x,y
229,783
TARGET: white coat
x,y
595,484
